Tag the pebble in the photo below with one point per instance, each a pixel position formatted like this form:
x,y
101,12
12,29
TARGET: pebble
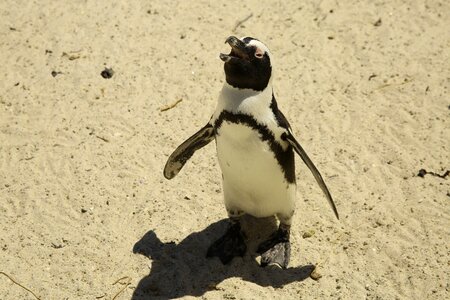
x,y
315,274
308,234
107,73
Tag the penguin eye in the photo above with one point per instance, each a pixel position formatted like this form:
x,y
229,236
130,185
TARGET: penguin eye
x,y
259,53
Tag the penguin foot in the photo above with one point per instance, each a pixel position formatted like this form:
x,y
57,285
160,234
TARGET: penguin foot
x,y
276,250
230,245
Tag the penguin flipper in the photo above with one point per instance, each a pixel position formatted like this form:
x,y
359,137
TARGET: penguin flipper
x,y
301,152
185,151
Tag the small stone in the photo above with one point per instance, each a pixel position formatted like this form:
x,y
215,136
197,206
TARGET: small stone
x,y
422,173
107,73
315,274
308,234
83,210
377,23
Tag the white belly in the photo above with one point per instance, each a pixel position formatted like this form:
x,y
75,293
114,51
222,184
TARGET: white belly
x,y
253,181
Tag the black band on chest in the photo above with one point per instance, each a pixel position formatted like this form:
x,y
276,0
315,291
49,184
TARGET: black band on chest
x,y
285,158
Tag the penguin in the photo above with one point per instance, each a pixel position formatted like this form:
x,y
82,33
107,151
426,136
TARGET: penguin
x,y
255,149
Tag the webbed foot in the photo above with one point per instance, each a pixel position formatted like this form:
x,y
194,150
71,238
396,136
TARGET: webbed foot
x,y
277,249
230,245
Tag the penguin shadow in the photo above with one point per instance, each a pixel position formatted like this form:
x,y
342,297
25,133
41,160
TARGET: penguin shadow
x,y
182,269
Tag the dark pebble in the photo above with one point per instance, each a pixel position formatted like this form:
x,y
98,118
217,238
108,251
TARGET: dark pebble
x,y
107,73
422,173
83,210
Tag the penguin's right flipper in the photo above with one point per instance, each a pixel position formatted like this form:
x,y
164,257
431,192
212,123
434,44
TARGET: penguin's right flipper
x,y
185,151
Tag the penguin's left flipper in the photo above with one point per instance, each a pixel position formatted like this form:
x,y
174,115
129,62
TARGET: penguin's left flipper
x,y
185,151
288,136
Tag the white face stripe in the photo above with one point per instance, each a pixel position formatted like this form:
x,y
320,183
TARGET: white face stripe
x,y
261,46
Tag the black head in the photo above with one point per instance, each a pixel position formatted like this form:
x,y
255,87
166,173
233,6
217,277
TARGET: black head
x,y
248,65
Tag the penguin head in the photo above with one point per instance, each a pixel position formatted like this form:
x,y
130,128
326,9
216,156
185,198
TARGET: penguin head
x,y
248,65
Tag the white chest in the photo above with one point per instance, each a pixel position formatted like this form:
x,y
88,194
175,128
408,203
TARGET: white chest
x,y
253,180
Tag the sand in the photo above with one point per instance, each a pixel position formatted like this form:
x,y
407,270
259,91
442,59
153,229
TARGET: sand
x,y
365,85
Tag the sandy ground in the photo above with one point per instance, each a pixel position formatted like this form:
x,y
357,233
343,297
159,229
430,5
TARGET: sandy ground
x,y
365,85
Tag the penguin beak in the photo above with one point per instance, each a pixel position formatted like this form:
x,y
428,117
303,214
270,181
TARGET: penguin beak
x,y
238,50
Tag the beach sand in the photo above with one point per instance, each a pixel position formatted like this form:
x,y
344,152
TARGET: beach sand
x,y
86,213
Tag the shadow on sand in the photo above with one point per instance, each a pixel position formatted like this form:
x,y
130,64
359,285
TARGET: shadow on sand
x,y
181,270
